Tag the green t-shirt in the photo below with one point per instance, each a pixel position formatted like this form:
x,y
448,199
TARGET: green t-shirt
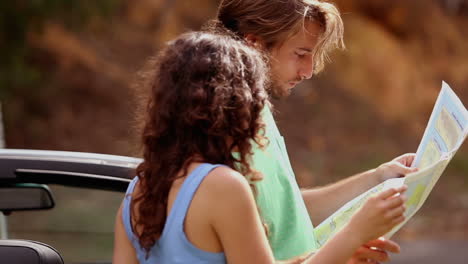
x,y
279,197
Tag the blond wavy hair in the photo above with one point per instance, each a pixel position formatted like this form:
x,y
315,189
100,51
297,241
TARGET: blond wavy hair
x,y
274,21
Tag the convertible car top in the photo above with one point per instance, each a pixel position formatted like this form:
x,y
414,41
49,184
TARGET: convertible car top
x,y
24,175
78,169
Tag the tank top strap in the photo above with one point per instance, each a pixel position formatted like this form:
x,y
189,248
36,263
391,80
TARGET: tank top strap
x,y
126,214
186,193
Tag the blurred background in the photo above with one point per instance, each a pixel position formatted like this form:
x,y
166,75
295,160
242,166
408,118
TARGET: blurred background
x,y
68,69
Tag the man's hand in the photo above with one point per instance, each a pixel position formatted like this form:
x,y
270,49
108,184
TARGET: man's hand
x,y
374,251
398,167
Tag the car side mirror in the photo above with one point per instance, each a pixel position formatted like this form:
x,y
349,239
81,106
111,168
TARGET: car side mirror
x,y
25,196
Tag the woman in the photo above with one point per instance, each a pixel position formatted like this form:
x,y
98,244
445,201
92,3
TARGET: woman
x,y
193,200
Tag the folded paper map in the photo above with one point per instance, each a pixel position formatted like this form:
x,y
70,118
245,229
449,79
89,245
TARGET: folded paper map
x,y
445,132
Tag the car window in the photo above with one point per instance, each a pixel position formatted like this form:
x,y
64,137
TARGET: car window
x,y
80,226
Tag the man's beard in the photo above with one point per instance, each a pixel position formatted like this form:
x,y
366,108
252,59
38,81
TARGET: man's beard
x,y
276,91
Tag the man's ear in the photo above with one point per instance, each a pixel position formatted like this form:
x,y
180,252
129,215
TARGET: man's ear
x,y
254,41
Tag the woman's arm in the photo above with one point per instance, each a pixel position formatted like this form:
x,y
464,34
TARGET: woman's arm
x,y
378,216
237,223
124,253
236,220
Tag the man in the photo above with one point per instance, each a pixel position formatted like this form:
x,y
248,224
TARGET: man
x,y
296,36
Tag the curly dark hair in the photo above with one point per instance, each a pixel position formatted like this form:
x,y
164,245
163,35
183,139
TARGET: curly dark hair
x,y
206,97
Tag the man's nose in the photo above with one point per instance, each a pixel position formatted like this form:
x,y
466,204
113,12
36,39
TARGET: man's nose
x,y
307,70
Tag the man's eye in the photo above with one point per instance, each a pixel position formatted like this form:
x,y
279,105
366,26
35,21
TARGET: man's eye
x,y
300,55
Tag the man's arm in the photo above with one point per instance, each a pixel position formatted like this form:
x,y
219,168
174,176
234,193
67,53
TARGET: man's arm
x,y
374,251
321,202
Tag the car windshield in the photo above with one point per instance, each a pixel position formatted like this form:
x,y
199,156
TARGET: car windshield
x,y
80,226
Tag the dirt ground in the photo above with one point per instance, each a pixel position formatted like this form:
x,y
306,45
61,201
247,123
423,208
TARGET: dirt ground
x,y
432,252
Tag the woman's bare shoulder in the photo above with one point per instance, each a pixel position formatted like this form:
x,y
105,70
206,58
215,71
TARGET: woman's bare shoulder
x,y
224,181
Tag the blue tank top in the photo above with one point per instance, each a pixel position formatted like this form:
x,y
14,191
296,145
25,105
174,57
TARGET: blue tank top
x,y
173,247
